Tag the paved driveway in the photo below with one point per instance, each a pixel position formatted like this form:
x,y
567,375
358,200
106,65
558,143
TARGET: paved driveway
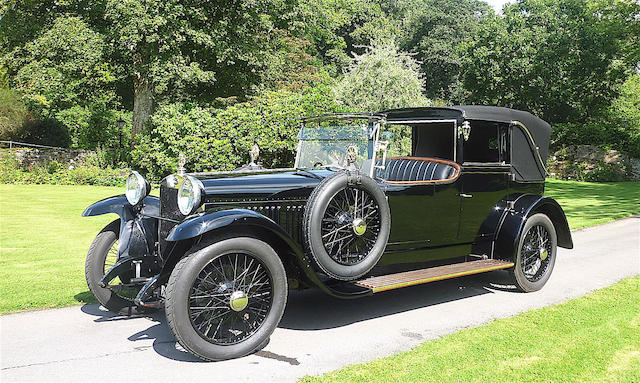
x,y
317,334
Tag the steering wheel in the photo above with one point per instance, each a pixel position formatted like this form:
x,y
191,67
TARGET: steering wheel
x,y
335,152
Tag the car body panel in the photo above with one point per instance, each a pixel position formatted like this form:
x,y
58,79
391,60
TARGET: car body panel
x,y
479,212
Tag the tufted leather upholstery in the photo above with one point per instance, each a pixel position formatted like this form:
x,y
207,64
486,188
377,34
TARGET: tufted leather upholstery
x,y
401,169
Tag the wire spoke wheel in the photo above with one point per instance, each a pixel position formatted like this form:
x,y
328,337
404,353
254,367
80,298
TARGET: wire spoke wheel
x,y
346,225
537,250
351,224
230,298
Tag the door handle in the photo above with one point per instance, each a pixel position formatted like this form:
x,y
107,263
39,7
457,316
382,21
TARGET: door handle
x,y
463,195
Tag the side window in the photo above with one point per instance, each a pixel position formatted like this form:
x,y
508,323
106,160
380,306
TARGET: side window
x,y
399,138
484,143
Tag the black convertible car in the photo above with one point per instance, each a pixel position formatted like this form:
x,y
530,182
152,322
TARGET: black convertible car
x,y
374,202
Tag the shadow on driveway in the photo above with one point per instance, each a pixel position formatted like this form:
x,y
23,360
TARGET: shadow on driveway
x,y
311,310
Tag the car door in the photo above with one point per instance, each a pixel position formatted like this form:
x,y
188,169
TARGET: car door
x,y
422,214
481,187
485,177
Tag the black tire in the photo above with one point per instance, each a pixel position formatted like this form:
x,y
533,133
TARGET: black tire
x,y
321,212
94,270
180,296
535,257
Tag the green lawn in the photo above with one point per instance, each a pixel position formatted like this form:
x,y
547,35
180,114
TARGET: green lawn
x,y
43,238
43,242
595,338
589,203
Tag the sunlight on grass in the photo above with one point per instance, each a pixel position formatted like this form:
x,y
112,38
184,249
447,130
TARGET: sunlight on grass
x,y
589,339
43,243
589,203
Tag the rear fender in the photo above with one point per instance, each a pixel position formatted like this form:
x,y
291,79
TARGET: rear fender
x,y
514,217
138,225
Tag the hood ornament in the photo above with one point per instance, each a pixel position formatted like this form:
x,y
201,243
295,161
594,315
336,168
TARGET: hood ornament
x,y
181,161
351,155
254,153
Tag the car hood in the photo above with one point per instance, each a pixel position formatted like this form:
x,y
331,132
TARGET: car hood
x,y
260,185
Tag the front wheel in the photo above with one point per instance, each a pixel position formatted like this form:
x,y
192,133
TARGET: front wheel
x,y
536,254
118,296
224,300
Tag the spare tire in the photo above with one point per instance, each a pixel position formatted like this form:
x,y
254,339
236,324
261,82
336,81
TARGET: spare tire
x,y
346,225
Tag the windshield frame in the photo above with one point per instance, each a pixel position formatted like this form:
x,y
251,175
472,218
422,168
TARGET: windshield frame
x,y
376,121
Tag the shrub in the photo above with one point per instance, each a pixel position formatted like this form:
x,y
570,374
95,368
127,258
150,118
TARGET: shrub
x,y
46,131
219,139
13,114
55,173
382,78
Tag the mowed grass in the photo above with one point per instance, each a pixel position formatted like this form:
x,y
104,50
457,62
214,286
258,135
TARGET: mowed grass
x,y
43,243
595,338
44,239
590,203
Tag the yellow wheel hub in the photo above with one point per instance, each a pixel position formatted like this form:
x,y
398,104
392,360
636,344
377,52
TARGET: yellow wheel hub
x,y
238,301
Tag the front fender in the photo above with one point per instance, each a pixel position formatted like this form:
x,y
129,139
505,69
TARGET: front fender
x,y
218,219
120,205
513,220
138,227
201,224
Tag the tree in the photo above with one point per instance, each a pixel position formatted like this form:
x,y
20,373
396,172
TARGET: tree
x,y
336,28
561,60
63,67
381,78
433,30
13,114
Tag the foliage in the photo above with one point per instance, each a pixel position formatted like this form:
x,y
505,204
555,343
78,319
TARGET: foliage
x,y
382,78
81,65
56,173
336,28
433,30
625,111
558,59
67,84
13,114
62,68
214,139
605,134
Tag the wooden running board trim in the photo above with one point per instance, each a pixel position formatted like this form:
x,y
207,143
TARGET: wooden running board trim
x,y
432,274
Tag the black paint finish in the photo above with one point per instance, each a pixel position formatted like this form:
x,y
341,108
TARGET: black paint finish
x,y
479,213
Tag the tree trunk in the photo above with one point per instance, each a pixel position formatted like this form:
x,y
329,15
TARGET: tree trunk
x,y
142,104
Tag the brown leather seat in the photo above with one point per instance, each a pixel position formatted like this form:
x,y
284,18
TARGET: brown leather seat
x,y
411,169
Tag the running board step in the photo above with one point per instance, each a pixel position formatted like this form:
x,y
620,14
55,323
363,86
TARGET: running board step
x,y
417,277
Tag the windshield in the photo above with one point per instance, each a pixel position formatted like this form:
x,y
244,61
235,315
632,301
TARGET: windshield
x,y
324,144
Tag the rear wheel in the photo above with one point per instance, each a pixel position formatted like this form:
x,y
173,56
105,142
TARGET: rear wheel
x,y
536,255
224,300
103,253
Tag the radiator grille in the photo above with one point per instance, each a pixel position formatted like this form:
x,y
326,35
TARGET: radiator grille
x,y
289,216
168,209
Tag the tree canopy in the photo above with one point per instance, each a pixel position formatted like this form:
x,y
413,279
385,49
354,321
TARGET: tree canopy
x,y
79,66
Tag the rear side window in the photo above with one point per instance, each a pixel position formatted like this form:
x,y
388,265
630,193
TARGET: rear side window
x,y
487,143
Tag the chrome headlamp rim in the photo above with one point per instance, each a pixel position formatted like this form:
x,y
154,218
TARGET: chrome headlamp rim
x,y
136,188
189,195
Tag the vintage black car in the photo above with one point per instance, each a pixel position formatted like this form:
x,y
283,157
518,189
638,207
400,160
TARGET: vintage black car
x,y
374,202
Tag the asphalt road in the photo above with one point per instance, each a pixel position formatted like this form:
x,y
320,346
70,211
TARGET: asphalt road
x,y
317,334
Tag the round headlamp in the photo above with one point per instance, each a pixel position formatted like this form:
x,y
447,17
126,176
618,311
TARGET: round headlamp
x,y
189,195
137,188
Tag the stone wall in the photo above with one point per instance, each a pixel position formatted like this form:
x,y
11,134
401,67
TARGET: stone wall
x,y
29,157
590,163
